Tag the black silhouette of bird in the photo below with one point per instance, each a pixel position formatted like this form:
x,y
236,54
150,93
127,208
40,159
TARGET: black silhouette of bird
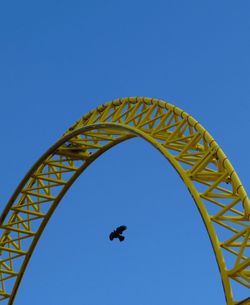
x,y
117,233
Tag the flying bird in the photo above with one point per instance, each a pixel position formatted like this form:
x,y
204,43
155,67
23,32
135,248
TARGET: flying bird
x,y
117,233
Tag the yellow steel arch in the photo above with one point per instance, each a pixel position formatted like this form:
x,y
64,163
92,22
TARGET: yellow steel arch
x,y
198,159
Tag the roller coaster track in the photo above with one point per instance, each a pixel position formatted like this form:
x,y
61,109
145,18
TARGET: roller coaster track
x,y
197,158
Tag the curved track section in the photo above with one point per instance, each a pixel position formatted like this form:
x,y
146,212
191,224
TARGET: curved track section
x,y
198,159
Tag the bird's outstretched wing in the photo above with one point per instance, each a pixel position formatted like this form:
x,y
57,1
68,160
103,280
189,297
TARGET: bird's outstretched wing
x,y
120,229
111,235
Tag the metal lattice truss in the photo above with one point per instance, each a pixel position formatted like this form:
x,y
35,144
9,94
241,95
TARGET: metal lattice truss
x,y
198,159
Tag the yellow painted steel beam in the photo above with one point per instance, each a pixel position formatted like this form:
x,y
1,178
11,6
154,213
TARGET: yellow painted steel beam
x,y
197,158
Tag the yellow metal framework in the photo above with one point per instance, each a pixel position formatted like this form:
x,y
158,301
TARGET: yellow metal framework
x,y
198,159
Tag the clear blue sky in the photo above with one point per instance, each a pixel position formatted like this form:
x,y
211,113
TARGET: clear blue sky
x,y
58,60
